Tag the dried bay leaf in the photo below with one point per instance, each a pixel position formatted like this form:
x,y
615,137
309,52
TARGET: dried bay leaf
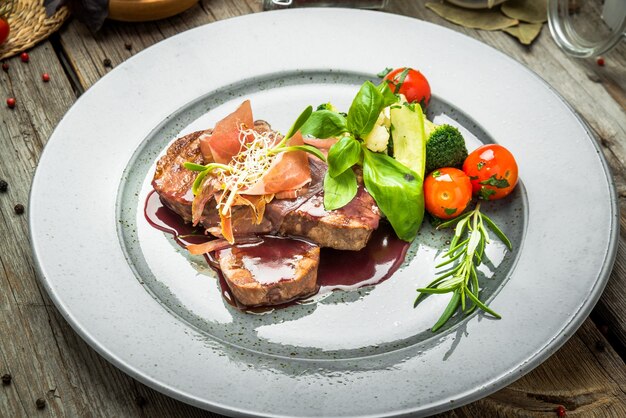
x,y
475,19
525,32
533,11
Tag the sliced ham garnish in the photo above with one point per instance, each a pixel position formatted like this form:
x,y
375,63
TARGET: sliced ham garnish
x,y
256,203
287,175
218,244
289,171
226,222
291,194
206,193
208,247
322,144
224,143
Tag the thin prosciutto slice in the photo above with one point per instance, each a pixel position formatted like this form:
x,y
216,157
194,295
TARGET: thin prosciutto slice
x,y
217,244
223,143
289,171
287,174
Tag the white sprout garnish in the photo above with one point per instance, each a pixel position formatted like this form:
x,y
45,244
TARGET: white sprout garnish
x,y
246,168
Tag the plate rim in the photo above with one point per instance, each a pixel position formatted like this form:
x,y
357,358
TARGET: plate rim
x,y
494,384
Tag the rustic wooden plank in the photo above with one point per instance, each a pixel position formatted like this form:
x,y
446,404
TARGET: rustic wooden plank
x,y
610,311
86,52
585,377
27,339
38,348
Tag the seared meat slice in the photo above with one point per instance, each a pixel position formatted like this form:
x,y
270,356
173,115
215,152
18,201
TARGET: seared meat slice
x,y
173,183
171,180
348,228
274,271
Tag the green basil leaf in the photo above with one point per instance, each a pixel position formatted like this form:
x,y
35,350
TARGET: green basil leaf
x,y
398,191
306,148
340,190
388,97
304,116
324,124
343,155
365,109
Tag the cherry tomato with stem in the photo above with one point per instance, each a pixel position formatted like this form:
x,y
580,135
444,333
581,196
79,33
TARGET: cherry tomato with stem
x,y
411,83
4,30
447,192
492,170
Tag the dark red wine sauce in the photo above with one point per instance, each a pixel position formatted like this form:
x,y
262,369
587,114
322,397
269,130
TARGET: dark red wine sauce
x,y
345,270
349,270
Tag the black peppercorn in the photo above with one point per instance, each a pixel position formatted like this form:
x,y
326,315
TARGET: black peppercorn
x,y
4,186
140,401
106,62
19,209
41,403
128,46
6,379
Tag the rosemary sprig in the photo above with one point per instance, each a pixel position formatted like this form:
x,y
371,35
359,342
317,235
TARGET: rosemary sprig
x,y
467,249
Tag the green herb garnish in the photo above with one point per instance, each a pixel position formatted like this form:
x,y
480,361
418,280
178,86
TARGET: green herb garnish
x,y
384,72
496,182
467,249
396,188
204,170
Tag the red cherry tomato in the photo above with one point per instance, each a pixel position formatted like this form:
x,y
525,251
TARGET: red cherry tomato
x,y
447,192
411,83
4,30
492,170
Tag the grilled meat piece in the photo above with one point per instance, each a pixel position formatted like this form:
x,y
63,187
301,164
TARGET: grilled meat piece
x,y
274,271
171,180
348,228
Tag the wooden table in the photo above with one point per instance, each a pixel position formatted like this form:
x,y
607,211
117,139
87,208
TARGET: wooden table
x,y
47,360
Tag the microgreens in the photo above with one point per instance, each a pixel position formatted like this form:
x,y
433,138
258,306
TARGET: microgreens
x,y
254,159
467,248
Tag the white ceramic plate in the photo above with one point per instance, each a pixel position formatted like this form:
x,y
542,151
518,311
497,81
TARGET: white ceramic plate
x,y
159,316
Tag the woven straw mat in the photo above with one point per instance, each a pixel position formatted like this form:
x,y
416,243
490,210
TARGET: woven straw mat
x,y
29,25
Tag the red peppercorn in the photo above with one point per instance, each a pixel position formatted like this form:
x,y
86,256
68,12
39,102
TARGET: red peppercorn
x,y
600,61
560,411
5,66
11,102
45,77
24,57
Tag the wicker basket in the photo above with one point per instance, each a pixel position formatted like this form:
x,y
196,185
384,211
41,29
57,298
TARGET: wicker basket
x,y
29,25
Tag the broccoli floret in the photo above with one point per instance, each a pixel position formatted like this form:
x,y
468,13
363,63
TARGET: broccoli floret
x,y
445,147
327,106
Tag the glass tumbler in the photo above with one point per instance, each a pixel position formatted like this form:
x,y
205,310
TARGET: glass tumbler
x,y
587,28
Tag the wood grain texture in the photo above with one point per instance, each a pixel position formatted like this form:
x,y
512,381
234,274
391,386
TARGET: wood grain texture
x,y
48,360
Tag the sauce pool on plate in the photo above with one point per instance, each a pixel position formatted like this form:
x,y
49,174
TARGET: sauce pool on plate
x,y
270,259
